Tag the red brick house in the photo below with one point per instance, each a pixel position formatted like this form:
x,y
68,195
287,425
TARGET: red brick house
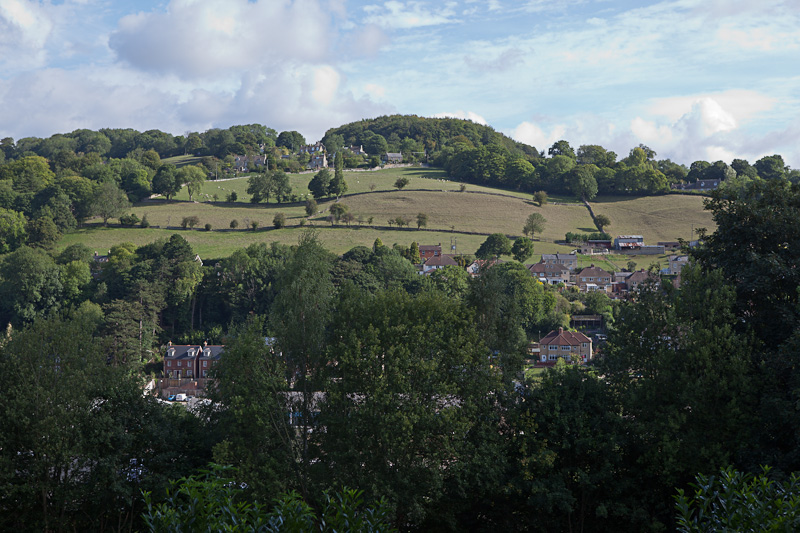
x,y
426,251
190,360
572,346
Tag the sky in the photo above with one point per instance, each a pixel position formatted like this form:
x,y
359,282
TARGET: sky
x,y
692,79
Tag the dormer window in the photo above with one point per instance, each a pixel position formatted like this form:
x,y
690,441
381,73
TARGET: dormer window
x,y
171,352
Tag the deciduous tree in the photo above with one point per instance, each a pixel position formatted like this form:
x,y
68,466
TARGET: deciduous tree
x,y
533,224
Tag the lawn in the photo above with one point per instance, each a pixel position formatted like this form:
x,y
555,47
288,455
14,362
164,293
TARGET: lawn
x,y
218,244
453,217
657,218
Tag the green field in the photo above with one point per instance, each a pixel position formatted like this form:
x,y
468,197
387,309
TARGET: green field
x,y
453,217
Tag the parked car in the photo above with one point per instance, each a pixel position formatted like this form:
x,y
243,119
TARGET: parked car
x,y
601,337
180,397
171,398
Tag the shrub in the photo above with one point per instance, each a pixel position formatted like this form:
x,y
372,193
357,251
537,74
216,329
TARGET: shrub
x,y
129,220
279,221
234,224
254,225
208,227
144,223
232,197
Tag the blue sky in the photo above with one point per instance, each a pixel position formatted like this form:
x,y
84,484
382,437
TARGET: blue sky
x,y
692,79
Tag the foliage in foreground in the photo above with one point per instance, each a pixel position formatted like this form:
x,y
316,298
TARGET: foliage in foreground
x,y
214,501
739,501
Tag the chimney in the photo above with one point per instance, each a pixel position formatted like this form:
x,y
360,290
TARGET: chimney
x,y
560,330
205,343
169,343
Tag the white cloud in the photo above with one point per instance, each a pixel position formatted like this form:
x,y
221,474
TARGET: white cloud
x,y
467,115
742,105
376,90
531,134
366,40
649,132
205,38
405,15
326,83
24,30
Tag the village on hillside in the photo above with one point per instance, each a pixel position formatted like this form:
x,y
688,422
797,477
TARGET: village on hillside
x,y
186,367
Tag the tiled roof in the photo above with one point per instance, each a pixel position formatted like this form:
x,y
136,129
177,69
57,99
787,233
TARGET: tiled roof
x,y
545,268
440,260
564,338
595,272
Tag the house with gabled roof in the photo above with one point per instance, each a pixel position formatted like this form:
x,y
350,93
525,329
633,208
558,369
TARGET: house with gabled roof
x,y
187,368
438,262
636,279
594,278
190,360
312,148
426,251
572,346
479,265
568,260
550,274
244,163
676,263
393,157
318,160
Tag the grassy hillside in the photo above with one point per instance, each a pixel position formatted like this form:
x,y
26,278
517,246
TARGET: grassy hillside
x,y
451,215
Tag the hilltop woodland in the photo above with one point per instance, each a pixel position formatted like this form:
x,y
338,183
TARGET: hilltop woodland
x,y
353,389
406,387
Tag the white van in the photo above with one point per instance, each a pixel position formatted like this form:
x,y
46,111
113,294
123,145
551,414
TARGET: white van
x,y
180,397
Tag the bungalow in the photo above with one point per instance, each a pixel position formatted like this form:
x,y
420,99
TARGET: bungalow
x,y
550,274
572,346
568,260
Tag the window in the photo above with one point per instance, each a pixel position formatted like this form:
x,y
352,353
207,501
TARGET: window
x,y
553,347
553,357
205,363
565,348
585,345
205,373
169,363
